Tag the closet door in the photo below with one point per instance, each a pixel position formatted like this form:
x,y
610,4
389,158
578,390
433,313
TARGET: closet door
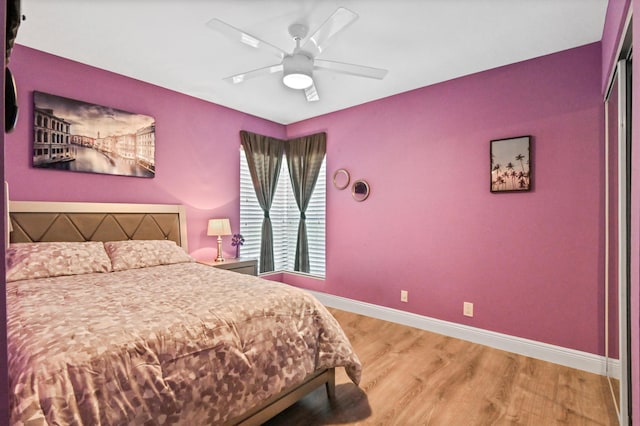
x,y
617,232
611,240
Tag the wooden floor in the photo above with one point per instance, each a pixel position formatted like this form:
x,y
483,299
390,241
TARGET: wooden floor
x,y
414,377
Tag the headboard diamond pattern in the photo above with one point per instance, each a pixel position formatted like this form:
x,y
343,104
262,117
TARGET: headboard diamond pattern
x,y
94,226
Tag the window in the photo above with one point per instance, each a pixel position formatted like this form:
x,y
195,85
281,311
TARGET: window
x,y
285,217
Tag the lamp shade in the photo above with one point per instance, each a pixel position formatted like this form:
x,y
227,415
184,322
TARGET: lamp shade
x,y
297,71
219,227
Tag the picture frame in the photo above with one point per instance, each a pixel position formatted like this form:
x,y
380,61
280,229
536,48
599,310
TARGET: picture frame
x,y
77,136
511,165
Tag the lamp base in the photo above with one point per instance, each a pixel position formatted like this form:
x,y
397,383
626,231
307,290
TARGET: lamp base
x,y
219,258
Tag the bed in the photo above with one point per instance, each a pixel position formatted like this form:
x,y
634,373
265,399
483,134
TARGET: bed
x,y
109,321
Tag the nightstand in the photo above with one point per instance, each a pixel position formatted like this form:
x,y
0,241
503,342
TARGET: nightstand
x,y
242,266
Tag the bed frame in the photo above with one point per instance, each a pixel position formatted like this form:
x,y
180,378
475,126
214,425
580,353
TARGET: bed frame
x,y
41,221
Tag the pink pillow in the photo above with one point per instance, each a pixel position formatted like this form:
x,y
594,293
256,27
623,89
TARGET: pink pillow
x,y
51,259
132,254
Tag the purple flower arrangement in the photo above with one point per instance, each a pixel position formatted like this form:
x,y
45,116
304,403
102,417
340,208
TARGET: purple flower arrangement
x,y
236,241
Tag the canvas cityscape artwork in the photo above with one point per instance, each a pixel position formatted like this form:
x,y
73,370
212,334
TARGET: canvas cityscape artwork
x,y
77,136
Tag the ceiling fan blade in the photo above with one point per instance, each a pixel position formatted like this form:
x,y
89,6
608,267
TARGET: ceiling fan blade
x,y
337,22
351,69
237,34
311,93
260,72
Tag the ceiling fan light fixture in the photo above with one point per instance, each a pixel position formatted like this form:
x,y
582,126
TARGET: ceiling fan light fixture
x,y
297,80
297,71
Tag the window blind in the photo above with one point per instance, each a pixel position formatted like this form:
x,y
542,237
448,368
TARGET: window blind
x,y
285,217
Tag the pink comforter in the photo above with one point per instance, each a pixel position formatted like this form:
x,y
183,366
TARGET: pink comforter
x,y
183,343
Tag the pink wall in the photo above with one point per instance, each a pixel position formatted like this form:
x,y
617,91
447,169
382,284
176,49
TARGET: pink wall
x,y
617,11
530,262
197,156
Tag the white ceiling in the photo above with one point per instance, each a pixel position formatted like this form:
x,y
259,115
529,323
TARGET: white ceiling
x,y
420,42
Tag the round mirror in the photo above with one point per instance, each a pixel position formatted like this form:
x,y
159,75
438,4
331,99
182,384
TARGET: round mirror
x,y
341,179
360,190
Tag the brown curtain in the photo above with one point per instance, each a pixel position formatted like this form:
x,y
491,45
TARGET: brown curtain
x,y
264,158
304,158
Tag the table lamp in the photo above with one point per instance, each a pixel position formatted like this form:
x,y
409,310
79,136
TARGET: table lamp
x,y
219,227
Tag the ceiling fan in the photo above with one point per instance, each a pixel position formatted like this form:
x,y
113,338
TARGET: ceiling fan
x,y
297,67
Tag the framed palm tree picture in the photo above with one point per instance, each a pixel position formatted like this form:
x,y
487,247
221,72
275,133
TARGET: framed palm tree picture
x,y
511,164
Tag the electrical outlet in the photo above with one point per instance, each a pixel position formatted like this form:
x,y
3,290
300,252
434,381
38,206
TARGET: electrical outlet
x,y
404,296
467,309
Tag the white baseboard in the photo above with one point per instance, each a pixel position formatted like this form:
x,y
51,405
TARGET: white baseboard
x,y
568,357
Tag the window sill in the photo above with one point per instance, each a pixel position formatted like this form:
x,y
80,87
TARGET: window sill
x,y
300,274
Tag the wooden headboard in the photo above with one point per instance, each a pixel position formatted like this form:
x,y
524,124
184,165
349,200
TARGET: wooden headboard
x,y
36,221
